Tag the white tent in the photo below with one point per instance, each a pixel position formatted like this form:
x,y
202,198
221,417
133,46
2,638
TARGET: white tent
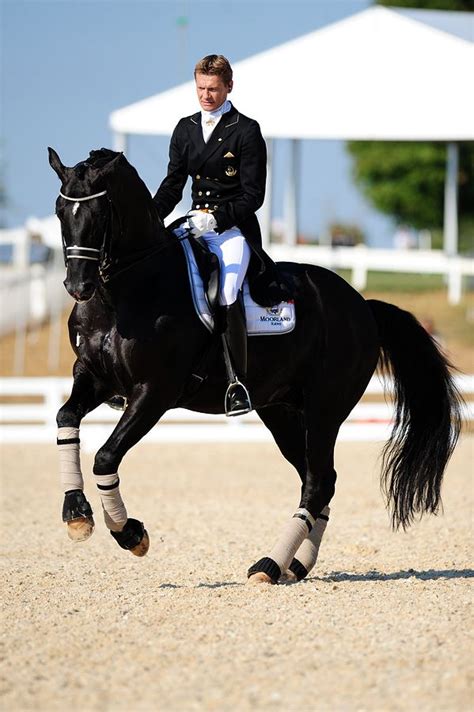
x,y
378,75
375,75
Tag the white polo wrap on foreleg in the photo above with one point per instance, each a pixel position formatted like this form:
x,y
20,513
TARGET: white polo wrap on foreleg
x,y
69,459
291,539
307,554
115,514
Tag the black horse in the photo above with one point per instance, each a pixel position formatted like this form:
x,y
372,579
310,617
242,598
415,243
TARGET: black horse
x,y
135,333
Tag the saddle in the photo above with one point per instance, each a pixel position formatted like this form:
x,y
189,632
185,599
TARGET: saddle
x,y
204,275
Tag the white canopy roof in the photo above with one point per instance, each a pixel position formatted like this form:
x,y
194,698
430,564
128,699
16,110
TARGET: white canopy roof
x,y
380,74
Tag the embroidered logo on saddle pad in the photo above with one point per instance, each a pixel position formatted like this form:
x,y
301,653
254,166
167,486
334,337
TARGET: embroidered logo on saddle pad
x,y
279,319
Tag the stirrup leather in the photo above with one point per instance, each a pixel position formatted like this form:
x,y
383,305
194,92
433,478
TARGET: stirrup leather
x,y
237,399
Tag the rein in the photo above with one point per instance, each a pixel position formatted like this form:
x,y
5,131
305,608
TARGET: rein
x,y
182,235
108,277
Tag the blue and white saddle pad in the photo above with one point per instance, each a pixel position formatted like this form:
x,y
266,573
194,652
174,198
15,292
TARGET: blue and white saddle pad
x,y
279,319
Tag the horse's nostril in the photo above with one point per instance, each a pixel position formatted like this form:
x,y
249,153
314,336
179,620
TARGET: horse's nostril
x,y
85,292
82,292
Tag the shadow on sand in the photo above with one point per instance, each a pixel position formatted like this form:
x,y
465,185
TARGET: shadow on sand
x,y
341,576
430,575
217,584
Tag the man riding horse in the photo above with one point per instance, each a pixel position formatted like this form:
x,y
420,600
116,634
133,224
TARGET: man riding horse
x,y
225,154
135,332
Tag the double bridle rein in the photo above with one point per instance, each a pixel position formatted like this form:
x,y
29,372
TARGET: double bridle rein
x,y
76,252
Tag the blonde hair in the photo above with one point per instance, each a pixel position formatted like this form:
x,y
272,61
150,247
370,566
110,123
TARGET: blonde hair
x,y
215,64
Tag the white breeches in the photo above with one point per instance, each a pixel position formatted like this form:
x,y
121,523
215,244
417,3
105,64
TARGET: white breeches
x,y
234,255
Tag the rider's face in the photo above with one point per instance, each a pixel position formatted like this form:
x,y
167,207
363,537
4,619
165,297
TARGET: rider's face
x,y
211,91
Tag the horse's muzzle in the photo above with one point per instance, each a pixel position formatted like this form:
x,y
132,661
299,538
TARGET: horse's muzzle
x,y
82,291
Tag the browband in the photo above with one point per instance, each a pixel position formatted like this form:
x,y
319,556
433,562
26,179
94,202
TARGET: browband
x,y
81,200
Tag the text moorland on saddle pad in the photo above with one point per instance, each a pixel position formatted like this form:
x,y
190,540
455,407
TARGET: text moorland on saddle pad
x,y
279,319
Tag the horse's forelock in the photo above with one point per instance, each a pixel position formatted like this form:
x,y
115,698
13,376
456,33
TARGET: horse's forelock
x,y
80,171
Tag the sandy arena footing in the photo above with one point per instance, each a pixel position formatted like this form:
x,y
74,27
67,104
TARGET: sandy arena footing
x,y
383,623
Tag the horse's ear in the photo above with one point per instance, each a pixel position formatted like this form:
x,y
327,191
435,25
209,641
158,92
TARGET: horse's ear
x,y
56,165
111,166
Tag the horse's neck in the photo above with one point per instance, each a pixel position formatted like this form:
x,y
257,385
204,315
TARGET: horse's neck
x,y
137,232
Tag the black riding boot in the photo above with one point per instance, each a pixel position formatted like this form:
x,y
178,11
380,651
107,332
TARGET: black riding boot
x,y
234,339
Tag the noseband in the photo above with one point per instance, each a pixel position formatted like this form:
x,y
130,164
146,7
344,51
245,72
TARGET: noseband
x,y
76,252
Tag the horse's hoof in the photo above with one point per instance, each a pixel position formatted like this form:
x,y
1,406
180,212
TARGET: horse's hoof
x,y
142,548
288,577
133,537
259,577
80,529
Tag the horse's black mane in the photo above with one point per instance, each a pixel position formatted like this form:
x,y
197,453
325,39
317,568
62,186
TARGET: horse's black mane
x,y
102,157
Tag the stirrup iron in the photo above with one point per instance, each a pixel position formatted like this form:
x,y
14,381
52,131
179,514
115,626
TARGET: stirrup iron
x,y
117,403
237,399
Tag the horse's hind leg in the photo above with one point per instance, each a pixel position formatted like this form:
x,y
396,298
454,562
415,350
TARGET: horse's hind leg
x,y
307,555
288,428
85,396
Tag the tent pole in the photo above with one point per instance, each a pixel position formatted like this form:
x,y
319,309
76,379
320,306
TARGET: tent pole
x,y
291,211
265,213
451,200
120,141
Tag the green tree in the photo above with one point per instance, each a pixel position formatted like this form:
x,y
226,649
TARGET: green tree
x,y
406,179
459,5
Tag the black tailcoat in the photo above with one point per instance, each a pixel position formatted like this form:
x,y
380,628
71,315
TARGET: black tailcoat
x,y
228,177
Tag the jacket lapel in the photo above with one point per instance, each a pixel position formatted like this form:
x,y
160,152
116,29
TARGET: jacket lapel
x,y
226,126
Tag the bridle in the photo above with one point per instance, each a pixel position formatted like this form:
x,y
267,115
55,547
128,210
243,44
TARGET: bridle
x,y
76,252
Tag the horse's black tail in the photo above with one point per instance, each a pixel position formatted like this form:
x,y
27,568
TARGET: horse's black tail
x,y
427,418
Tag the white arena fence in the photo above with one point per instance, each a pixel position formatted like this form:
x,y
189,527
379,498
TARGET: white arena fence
x,y
31,293
33,419
29,298
361,260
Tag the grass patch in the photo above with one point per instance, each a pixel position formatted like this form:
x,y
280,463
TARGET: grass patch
x,y
426,296
399,282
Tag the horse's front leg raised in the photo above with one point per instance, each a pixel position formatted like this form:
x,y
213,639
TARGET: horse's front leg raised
x,y
86,395
142,414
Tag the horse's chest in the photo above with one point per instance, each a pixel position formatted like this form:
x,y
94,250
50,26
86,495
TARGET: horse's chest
x,y
98,352
106,351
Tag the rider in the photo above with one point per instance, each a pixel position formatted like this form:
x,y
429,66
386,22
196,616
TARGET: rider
x,y
224,153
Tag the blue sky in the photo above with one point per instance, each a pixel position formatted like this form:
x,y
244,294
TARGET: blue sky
x,y
67,64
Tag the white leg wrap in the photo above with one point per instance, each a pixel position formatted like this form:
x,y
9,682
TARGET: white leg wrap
x,y
307,554
293,536
69,459
115,514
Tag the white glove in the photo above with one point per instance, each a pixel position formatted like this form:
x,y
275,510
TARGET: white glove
x,y
200,222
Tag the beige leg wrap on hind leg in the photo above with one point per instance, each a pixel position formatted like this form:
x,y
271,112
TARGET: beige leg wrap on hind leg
x,y
291,539
115,514
307,554
69,459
